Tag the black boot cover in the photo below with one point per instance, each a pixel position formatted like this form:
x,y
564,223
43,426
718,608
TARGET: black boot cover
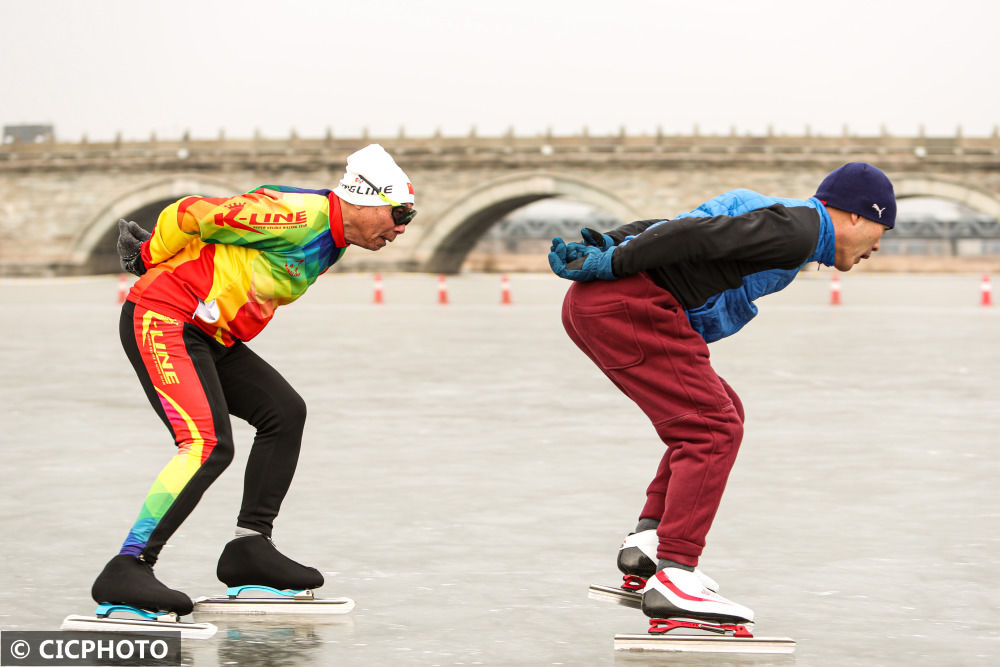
x,y
253,561
130,581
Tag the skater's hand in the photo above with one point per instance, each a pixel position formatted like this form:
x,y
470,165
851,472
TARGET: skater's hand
x,y
561,255
596,238
583,263
130,239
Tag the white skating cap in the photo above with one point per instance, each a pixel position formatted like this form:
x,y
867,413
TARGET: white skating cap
x,y
377,166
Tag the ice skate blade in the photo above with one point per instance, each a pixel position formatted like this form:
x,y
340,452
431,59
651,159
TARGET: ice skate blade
x,y
276,602
703,644
108,624
224,605
615,594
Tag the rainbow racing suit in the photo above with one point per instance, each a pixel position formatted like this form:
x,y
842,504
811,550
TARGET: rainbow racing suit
x,y
230,263
217,268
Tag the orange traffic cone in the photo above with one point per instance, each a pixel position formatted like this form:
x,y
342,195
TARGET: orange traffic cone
x,y
835,291
987,289
505,291
378,288
122,288
442,290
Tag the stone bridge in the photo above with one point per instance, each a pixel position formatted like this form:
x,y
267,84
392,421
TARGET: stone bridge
x,y
59,201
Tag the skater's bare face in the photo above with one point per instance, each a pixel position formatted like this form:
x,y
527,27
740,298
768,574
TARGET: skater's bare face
x,y
370,227
856,238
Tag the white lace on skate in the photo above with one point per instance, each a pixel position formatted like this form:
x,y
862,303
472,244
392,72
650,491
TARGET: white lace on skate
x,y
685,595
647,542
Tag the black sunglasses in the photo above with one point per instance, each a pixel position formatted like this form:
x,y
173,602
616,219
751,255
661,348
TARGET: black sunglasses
x,y
402,214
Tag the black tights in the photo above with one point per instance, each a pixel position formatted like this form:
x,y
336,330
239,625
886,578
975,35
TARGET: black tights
x,y
206,382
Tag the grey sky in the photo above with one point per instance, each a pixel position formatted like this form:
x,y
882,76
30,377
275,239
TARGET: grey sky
x,y
104,66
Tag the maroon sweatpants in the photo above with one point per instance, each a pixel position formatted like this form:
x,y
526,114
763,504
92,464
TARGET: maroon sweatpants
x,y
639,335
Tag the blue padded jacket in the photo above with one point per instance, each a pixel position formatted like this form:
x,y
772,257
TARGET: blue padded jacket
x,y
720,257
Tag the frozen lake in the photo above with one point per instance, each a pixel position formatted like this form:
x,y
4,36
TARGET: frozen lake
x,y
466,473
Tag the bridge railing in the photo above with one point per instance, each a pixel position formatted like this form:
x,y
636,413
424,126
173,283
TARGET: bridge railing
x,y
539,148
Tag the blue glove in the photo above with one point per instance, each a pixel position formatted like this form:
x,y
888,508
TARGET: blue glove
x,y
597,239
576,261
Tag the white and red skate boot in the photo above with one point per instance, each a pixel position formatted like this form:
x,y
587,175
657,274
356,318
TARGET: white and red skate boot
x,y
687,616
637,561
673,592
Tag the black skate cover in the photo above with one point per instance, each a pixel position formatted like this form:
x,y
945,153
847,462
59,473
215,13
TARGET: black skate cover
x,y
254,561
128,581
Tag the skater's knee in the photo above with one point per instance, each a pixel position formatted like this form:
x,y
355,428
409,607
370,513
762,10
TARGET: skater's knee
x,y
290,415
736,431
726,419
287,415
707,427
218,450
222,454
731,430
293,413
736,419
729,423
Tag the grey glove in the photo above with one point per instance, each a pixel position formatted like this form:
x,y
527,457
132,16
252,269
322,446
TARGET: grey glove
x,y
130,239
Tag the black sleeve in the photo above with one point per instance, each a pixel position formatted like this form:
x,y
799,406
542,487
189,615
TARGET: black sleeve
x,y
619,234
776,236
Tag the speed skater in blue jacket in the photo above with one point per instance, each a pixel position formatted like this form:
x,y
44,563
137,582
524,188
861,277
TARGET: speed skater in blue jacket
x,y
647,299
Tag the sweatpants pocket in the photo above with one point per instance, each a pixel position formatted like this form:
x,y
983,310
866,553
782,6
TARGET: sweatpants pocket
x,y
610,336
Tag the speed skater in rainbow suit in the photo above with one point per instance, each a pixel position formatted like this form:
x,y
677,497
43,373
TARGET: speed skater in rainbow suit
x,y
212,274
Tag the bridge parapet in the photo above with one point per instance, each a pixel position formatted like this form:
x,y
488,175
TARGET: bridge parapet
x,y
329,152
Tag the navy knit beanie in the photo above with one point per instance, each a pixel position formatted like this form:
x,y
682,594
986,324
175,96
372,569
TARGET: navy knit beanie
x,y
858,187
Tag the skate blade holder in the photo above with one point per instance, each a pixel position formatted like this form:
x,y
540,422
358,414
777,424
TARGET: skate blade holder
x,y
136,620
615,594
267,600
234,592
700,636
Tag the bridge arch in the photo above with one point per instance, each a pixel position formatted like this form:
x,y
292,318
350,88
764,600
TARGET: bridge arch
x,y
931,235
446,243
94,245
974,198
